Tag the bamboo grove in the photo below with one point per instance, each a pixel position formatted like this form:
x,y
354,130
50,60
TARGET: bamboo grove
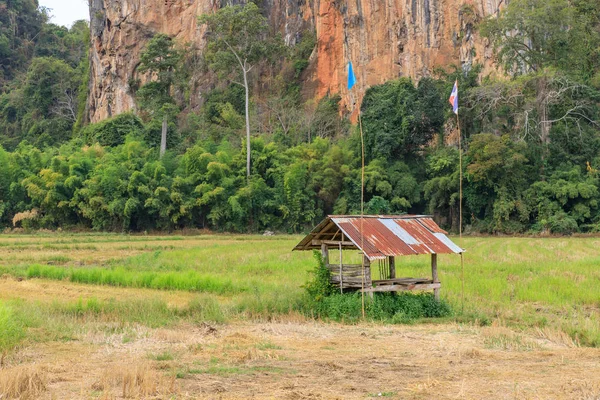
x,y
531,133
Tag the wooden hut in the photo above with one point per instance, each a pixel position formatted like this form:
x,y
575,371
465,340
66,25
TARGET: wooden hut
x,y
380,241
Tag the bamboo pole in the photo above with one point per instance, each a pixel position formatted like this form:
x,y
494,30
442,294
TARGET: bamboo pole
x,y
460,184
462,278
362,210
460,213
341,272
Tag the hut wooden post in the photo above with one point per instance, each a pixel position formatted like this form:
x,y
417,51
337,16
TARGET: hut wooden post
x,y
434,276
392,262
368,281
325,254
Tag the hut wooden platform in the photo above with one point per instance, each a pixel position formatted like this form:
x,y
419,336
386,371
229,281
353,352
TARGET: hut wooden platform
x,y
380,239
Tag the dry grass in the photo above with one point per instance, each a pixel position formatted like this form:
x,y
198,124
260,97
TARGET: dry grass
x,y
134,381
555,336
32,214
502,338
26,382
315,360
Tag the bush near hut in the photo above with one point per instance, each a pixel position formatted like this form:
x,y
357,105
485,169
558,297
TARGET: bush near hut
x,y
319,287
322,301
397,308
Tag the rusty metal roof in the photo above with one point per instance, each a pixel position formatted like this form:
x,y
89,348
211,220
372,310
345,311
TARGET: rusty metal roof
x,y
384,235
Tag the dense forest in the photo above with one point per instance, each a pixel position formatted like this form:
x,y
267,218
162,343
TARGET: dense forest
x,y
531,133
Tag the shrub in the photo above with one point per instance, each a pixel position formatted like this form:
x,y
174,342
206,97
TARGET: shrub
x,y
562,223
319,286
388,307
112,132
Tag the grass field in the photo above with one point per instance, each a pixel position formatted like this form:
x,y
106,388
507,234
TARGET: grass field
x,y
62,288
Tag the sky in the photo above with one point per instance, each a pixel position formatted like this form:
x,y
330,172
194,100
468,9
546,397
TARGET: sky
x,y
65,12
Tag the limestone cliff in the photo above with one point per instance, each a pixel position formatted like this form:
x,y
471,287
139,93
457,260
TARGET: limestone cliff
x,y
385,39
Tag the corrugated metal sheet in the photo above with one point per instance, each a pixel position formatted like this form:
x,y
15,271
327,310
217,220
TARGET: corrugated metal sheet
x,y
384,235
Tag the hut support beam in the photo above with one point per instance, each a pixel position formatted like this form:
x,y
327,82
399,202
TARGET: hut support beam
x,y
392,262
325,253
367,272
434,276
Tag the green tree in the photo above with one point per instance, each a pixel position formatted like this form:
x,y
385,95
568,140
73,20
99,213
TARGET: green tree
x,y
399,118
160,59
551,48
113,131
441,190
238,39
497,175
566,201
531,35
20,23
45,99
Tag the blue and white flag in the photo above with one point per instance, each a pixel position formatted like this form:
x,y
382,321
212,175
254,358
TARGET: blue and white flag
x,y
351,77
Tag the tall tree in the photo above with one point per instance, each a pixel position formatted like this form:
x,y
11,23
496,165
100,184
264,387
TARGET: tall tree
x,y
20,24
551,49
237,40
399,118
161,59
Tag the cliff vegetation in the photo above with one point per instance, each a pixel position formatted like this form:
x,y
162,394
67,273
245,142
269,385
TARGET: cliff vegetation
x,y
531,133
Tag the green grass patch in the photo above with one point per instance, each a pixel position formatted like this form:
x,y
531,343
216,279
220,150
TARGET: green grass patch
x,y
12,330
383,394
58,259
228,370
267,345
527,283
164,356
186,280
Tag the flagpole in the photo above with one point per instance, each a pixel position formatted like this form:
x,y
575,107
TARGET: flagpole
x,y
351,83
460,190
362,210
460,213
454,101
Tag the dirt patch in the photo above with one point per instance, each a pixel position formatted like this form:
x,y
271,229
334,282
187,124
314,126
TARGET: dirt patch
x,y
314,360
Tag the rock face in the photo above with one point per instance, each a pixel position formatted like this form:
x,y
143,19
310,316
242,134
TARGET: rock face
x,y
385,39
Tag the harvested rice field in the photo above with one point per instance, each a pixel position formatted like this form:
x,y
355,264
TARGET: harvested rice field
x,y
185,317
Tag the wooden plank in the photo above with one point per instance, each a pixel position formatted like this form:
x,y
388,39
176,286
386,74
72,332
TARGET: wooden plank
x,y
325,229
403,288
346,273
332,243
402,280
335,235
358,267
336,279
351,286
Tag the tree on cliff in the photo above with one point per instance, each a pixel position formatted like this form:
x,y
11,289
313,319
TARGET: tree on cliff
x,y
551,47
161,59
237,40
